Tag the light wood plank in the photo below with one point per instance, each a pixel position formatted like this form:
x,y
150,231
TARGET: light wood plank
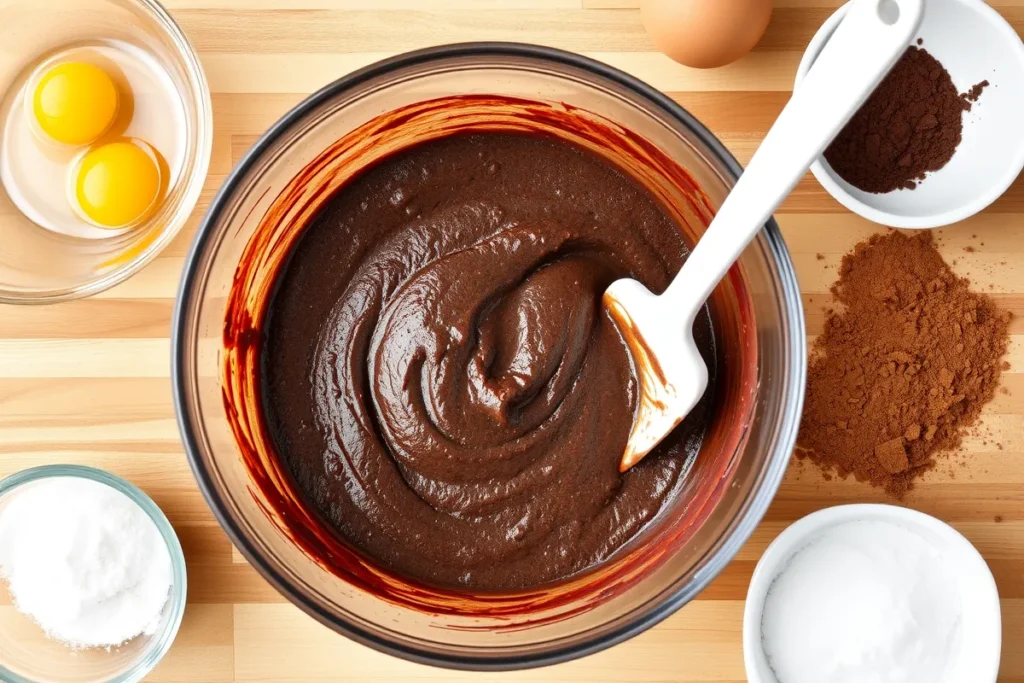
x,y
297,32
359,5
699,643
306,72
203,650
85,358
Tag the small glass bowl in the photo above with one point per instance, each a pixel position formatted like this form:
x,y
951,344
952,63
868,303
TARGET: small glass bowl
x,y
28,656
38,265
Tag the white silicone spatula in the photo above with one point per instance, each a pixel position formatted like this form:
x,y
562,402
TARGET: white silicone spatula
x,y
659,328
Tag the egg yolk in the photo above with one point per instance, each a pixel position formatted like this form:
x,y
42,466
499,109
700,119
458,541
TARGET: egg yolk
x,y
75,103
117,183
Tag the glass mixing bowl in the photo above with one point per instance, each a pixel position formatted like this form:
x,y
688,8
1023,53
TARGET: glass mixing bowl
x,y
264,205
39,265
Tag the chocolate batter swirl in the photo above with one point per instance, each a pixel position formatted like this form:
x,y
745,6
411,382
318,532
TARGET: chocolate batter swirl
x,y
441,378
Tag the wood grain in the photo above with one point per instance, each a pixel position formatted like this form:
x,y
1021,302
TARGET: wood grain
x,y
87,382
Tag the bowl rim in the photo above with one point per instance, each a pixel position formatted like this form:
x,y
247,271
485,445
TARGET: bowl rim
x,y
179,574
825,177
744,524
194,179
801,532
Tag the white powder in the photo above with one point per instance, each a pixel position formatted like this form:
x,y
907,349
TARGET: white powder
x,y
83,561
867,602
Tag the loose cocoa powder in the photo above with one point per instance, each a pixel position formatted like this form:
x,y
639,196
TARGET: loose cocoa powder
x,y
911,125
904,365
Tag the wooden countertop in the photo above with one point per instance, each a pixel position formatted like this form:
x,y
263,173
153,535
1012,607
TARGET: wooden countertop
x,y
87,382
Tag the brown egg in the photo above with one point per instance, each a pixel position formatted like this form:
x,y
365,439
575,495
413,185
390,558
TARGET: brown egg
x,y
705,33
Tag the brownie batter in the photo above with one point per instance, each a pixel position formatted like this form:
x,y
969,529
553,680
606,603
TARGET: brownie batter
x,y
439,374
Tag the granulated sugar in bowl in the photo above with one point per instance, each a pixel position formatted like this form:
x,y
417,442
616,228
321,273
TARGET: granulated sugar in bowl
x,y
95,576
867,601
871,594
84,562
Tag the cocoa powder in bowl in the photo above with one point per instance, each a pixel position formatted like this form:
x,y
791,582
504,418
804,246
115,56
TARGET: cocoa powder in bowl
x,y
910,126
906,362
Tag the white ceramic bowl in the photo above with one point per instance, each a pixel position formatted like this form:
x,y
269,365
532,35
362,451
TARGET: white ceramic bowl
x,y
974,43
981,626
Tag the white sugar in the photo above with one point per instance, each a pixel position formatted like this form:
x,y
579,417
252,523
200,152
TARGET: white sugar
x,y
84,561
866,602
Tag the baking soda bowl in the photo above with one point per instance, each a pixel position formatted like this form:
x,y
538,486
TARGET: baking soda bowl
x,y
262,209
974,43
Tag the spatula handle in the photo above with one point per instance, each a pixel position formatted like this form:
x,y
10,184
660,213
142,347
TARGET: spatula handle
x,y
864,47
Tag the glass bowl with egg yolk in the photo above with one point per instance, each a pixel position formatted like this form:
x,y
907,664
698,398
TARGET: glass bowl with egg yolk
x,y
105,137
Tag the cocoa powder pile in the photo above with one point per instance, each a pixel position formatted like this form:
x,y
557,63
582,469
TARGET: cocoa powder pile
x,y
904,365
910,125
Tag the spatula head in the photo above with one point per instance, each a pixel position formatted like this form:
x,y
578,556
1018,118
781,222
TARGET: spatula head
x,y
671,372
